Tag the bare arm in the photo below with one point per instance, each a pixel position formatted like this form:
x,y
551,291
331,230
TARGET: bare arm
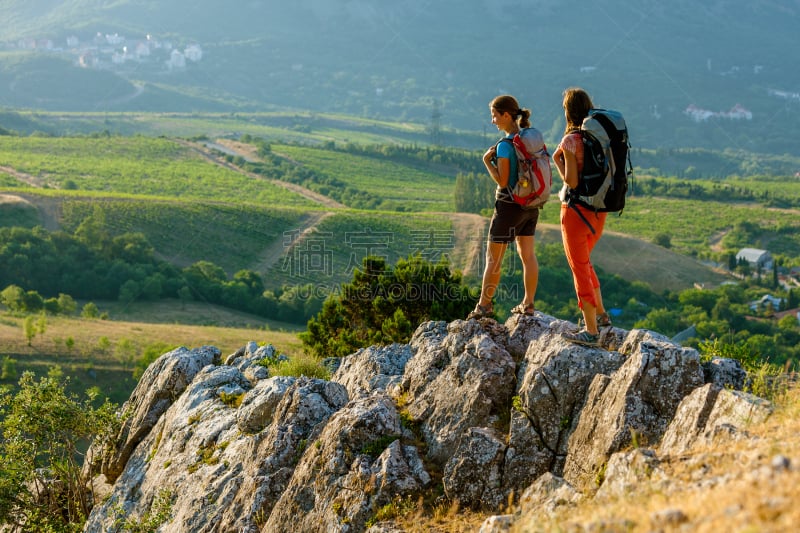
x,y
567,166
500,172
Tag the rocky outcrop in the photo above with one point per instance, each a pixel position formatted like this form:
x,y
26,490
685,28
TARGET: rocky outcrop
x,y
707,410
160,385
463,377
479,412
631,407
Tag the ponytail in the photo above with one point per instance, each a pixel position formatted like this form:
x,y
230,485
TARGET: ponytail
x,y
524,118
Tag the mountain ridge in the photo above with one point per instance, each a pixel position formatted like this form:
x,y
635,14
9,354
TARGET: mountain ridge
x,y
412,61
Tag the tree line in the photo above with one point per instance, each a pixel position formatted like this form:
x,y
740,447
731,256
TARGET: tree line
x,y
46,271
450,160
43,271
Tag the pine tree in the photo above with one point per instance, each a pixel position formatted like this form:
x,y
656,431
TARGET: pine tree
x,y
383,305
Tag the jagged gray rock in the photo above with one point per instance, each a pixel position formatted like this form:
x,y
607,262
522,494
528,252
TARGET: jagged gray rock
x,y
373,368
627,470
161,383
216,475
271,456
474,474
551,395
461,377
702,413
492,410
725,373
355,465
257,409
634,406
548,493
497,524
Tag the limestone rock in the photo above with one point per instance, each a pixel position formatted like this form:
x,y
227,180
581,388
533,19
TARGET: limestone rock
x,y
258,407
497,410
162,382
461,377
551,395
474,475
497,524
213,474
725,373
373,368
355,465
627,470
633,406
522,330
548,493
705,411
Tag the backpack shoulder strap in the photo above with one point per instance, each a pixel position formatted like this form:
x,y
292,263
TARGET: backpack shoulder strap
x,y
608,125
508,140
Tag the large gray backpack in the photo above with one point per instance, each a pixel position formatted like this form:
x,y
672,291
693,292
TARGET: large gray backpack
x,y
603,183
530,188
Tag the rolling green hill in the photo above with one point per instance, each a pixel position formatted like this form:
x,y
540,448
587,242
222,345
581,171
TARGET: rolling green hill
x,y
435,64
193,204
304,216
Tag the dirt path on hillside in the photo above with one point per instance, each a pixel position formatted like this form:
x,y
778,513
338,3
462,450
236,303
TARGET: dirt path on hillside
x,y
247,151
49,208
715,241
470,233
209,155
273,253
33,181
280,248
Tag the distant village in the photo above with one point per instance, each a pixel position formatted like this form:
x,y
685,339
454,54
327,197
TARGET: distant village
x,y
702,115
760,261
737,112
107,51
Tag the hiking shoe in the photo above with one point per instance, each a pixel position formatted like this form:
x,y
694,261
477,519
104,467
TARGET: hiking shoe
x,y
603,320
583,337
523,309
481,311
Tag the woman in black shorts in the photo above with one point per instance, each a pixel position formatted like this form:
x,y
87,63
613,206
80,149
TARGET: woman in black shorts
x,y
510,221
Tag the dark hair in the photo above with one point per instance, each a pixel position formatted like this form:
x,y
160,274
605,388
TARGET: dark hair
x,y
577,104
508,104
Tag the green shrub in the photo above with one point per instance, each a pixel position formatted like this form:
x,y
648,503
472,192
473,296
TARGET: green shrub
x,y
43,428
383,305
301,366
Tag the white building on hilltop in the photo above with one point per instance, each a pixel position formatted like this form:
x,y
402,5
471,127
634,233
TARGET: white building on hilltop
x,y
757,259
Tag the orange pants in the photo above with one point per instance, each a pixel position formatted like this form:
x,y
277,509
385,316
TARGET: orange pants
x,y
578,244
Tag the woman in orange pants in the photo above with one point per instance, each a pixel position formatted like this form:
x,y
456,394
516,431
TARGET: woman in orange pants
x,y
579,239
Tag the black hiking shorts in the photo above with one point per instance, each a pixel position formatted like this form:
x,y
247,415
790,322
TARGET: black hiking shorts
x,y
511,220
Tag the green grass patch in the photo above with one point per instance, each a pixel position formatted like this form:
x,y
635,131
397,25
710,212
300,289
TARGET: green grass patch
x,y
302,365
136,165
231,236
340,242
398,186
